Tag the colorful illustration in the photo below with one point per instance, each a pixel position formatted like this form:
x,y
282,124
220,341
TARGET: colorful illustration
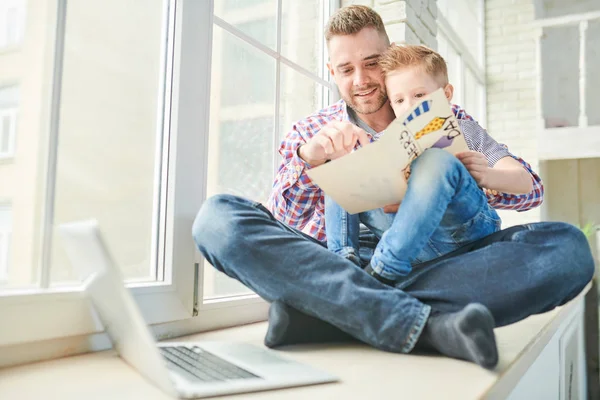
x,y
443,142
419,110
434,125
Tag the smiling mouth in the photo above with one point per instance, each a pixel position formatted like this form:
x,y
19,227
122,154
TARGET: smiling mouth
x,y
365,94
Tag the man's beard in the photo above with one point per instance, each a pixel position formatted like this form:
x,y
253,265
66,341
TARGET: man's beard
x,y
372,106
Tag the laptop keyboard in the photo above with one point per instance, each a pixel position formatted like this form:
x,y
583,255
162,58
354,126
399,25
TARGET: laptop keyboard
x,y
202,365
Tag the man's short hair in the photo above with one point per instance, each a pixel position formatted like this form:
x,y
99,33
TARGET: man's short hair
x,y
351,20
405,55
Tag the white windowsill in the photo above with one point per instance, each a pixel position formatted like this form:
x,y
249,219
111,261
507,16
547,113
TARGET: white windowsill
x,y
364,372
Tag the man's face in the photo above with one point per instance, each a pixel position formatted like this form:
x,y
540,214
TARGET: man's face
x,y
353,65
406,86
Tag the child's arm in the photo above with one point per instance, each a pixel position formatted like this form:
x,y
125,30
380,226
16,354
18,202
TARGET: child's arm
x,y
507,175
478,139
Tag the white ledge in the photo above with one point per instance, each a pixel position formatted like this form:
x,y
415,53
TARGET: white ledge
x,y
569,143
365,373
566,19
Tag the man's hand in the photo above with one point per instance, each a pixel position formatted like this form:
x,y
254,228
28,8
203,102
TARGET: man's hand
x,y
477,165
334,140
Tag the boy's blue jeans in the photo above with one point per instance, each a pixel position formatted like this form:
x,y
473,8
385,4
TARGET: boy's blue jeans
x,y
442,210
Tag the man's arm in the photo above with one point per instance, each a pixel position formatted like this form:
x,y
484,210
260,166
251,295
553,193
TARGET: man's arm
x,y
500,160
506,175
509,176
294,197
519,202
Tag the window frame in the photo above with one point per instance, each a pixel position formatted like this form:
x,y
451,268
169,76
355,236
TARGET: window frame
x,y
327,93
174,307
59,312
46,313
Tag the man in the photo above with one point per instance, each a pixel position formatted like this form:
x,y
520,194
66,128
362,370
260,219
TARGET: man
x,y
450,304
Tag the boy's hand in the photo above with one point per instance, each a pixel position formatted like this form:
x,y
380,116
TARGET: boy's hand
x,y
477,165
334,140
391,208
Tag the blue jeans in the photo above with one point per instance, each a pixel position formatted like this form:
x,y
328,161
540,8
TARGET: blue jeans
x,y
526,272
443,209
346,236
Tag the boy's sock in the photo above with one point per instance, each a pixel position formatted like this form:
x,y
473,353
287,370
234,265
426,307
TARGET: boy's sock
x,y
467,334
289,326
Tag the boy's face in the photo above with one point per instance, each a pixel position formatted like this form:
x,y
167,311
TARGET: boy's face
x,y
353,65
406,86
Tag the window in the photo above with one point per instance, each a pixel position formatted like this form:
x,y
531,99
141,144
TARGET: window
x,y
105,151
5,233
135,128
9,103
96,140
267,65
12,21
461,41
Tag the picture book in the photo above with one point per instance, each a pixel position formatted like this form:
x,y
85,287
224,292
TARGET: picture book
x,y
376,175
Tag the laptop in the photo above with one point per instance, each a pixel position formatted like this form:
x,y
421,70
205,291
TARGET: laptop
x,y
181,369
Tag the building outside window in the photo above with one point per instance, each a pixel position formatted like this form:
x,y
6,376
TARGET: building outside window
x,y
5,233
12,22
9,104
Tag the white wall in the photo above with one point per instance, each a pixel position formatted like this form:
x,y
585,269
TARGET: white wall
x,y
408,21
510,45
511,85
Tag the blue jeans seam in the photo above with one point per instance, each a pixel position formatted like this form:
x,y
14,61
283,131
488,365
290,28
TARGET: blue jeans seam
x,y
417,329
344,218
432,246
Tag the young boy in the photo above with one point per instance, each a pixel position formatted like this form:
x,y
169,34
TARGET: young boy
x,y
445,205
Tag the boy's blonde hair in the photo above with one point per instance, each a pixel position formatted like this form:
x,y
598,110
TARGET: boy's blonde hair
x,y
352,19
401,56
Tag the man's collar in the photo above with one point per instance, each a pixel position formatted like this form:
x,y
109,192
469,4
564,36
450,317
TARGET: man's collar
x,y
345,114
350,115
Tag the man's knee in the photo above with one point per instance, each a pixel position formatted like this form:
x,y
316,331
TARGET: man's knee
x,y
581,254
572,253
213,223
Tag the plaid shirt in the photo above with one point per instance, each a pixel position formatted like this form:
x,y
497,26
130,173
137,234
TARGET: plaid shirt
x,y
296,201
